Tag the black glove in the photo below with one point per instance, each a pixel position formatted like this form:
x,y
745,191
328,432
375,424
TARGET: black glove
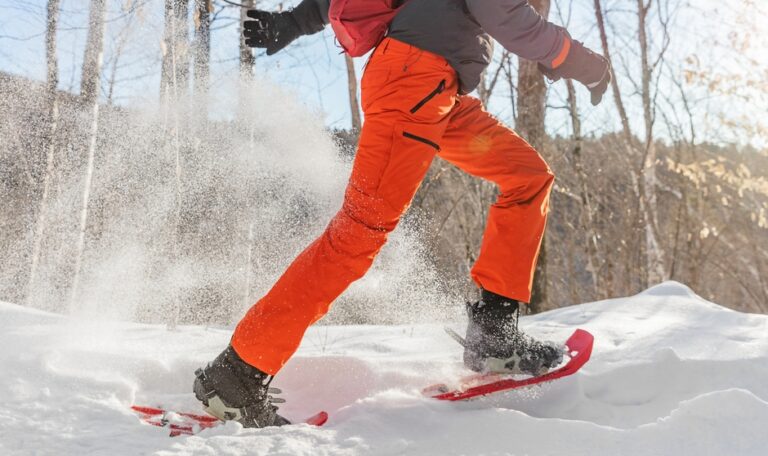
x,y
272,31
275,31
591,69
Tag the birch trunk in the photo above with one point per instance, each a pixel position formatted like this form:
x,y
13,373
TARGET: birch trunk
x,y
654,249
90,85
174,76
247,64
174,88
202,52
354,104
49,142
94,53
247,59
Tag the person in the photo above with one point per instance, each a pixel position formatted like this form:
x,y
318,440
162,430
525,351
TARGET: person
x,y
416,104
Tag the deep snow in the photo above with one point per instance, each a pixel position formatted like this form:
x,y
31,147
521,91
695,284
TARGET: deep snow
x,y
670,374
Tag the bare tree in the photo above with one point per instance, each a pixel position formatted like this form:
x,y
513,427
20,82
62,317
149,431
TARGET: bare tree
x,y
591,247
91,82
642,170
52,97
655,254
174,74
531,103
202,52
94,53
123,37
354,105
633,169
614,81
490,78
247,59
509,76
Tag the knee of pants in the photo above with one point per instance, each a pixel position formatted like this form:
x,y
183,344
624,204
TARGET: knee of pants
x,y
521,188
361,230
372,211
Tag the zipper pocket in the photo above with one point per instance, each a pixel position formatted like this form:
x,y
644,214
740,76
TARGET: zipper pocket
x,y
422,140
438,90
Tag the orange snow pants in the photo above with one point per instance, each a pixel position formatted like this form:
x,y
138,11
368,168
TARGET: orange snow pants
x,y
412,113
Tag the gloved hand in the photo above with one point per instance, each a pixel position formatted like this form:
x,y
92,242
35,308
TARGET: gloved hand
x,y
591,69
598,89
272,31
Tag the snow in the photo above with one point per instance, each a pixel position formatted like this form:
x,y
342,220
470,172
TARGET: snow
x,y
670,374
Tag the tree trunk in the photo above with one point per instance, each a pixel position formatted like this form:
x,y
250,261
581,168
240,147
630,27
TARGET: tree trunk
x,y
124,37
354,105
531,104
486,87
614,81
202,52
654,249
587,215
247,64
49,140
635,169
94,53
91,78
247,59
174,74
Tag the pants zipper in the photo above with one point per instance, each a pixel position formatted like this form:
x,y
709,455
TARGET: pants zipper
x,y
438,90
422,140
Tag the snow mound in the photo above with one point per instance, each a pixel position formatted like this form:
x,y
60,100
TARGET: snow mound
x,y
670,374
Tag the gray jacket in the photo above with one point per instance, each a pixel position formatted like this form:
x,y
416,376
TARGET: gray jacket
x,y
460,31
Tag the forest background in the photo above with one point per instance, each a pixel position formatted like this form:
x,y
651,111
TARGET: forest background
x,y
154,168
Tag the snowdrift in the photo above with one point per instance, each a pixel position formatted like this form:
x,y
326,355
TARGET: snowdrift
x,y
670,374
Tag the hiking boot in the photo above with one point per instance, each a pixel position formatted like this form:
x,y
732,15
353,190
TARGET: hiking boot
x,y
230,389
495,344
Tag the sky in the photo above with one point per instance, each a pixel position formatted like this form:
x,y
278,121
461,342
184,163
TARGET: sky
x,y
312,69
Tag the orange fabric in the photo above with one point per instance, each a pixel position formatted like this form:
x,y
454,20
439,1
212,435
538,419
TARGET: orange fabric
x,y
412,112
563,53
482,146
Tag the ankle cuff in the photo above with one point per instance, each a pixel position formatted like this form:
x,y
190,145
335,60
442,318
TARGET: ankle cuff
x,y
496,300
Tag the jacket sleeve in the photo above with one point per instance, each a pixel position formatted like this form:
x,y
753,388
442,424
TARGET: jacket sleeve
x,y
521,30
311,15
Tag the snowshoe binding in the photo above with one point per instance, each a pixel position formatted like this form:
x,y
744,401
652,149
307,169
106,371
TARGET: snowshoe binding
x,y
231,389
495,344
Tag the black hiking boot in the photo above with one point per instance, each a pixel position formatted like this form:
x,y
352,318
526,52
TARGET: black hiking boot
x,y
494,343
230,389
